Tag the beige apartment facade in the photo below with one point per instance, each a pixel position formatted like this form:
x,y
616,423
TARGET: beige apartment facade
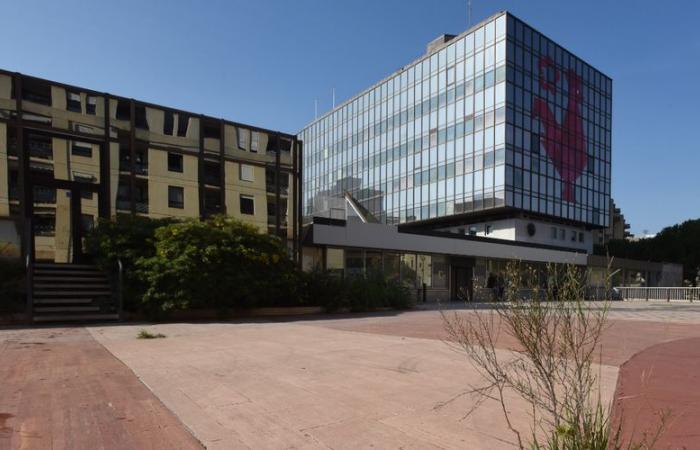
x,y
70,155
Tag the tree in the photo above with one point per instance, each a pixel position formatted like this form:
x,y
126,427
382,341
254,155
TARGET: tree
x,y
678,244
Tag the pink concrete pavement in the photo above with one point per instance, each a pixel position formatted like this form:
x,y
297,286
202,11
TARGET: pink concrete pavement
x,y
381,381
307,385
664,378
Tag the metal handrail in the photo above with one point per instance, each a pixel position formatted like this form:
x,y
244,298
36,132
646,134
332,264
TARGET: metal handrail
x,y
666,294
120,287
30,283
28,263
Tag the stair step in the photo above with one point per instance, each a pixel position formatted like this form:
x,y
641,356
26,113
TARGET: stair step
x,y
42,278
75,317
66,309
61,301
67,273
65,266
59,286
74,292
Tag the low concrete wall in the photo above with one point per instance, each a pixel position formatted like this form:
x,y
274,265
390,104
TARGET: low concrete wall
x,y
212,314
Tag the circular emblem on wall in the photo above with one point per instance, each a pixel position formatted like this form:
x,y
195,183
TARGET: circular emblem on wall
x,y
531,230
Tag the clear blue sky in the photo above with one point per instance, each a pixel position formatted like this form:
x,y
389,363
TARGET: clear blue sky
x,y
265,61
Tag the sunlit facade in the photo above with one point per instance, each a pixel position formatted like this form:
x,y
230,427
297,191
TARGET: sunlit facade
x,y
496,119
70,155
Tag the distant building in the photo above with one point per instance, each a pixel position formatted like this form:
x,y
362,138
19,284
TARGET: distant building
x,y
617,229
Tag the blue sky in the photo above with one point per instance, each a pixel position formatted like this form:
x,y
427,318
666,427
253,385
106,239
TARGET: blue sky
x,y
265,61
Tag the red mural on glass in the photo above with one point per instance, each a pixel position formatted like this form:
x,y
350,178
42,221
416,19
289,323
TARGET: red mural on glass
x,y
565,143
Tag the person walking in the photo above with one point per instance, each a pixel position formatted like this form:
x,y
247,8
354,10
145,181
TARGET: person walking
x,y
491,285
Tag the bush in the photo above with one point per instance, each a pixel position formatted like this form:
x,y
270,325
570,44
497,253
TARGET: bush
x,y
356,294
321,288
552,367
128,238
223,264
220,263
12,284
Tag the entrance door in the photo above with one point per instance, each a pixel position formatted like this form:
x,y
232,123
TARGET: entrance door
x,y
462,287
62,215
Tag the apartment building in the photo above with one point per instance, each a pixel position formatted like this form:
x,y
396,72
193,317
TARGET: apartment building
x,y
69,155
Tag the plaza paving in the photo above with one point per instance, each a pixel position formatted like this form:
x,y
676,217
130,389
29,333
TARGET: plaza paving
x,y
375,381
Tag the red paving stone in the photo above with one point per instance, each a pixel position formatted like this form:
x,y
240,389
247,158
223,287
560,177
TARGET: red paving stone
x,y
621,339
659,371
60,389
661,378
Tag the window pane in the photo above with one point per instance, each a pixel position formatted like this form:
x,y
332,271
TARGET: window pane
x,y
247,173
247,205
439,272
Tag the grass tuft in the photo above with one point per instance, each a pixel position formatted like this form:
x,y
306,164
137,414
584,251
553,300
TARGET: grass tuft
x,y
145,334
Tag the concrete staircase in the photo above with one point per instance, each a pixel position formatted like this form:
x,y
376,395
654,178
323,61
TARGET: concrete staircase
x,y
71,292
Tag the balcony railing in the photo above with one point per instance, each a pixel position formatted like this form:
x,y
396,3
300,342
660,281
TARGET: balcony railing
x,y
44,229
40,149
140,168
212,180
271,221
12,146
141,207
664,294
271,189
124,205
44,195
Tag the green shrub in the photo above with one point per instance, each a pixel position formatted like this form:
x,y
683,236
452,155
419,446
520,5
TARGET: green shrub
x,y
359,293
322,288
145,334
224,264
12,285
220,263
128,238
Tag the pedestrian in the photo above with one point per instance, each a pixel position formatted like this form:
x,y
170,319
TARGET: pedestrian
x,y
491,284
500,287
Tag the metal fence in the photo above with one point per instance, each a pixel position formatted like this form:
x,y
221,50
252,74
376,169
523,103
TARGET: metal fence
x,y
663,294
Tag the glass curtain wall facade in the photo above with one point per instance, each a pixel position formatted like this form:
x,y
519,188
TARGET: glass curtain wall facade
x,y
457,132
558,132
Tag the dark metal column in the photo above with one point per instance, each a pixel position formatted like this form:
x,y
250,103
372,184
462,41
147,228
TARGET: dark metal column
x,y
300,182
23,175
222,164
293,204
132,155
277,183
104,205
75,223
200,168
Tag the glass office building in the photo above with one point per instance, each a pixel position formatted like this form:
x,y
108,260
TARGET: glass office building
x,y
497,120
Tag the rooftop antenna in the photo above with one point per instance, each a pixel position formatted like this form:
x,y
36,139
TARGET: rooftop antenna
x,y
333,98
469,13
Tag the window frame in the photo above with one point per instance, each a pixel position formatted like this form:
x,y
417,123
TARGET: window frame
x,y
172,203
81,145
79,108
240,206
182,162
241,166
